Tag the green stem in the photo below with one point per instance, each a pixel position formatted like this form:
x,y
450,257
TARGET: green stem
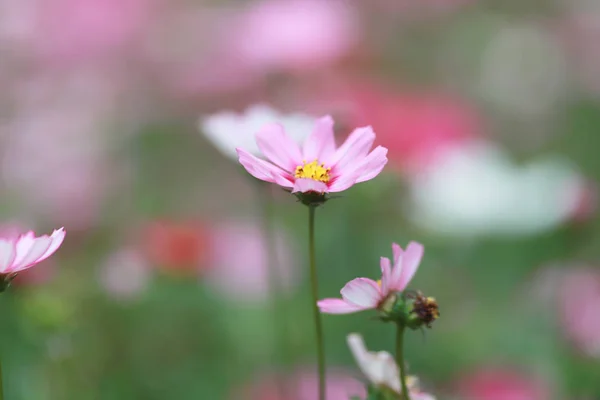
x,y
315,299
1,388
400,361
274,281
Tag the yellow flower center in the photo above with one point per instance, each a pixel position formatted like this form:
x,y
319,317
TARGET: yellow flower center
x,y
314,171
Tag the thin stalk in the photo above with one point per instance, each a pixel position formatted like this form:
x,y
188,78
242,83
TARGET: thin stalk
x,y
315,298
400,361
1,388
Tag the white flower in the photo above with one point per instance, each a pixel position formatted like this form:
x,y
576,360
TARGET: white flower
x,y
477,190
381,369
228,130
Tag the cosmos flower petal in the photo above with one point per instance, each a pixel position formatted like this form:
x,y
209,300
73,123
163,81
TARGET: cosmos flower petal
x,y
320,145
263,170
33,253
373,164
304,185
278,147
337,306
7,254
410,263
396,251
354,149
362,292
343,181
386,270
58,236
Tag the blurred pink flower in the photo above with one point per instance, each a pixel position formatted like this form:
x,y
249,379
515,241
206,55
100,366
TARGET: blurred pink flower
x,y
579,302
125,274
318,166
301,386
499,384
239,262
89,30
416,127
176,247
58,126
24,251
294,35
365,294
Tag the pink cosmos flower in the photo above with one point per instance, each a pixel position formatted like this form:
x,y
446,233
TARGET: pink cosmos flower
x,y
24,251
318,166
365,294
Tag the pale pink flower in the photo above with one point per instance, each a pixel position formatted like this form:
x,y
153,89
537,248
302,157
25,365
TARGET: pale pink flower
x,y
294,34
239,262
366,294
301,385
381,369
579,301
318,166
125,274
24,251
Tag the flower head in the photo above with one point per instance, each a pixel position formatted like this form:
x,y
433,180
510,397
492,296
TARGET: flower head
x,y
18,253
228,130
381,369
318,166
364,294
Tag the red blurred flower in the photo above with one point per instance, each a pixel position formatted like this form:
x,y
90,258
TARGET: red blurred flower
x,y
179,247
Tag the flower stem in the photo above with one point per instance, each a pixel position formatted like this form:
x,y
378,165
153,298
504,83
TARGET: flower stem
x,y
1,388
274,280
400,361
315,299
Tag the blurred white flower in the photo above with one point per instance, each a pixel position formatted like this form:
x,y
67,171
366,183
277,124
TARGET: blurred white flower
x,y
381,369
477,190
228,130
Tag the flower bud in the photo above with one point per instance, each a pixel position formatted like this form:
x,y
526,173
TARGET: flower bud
x,y
424,311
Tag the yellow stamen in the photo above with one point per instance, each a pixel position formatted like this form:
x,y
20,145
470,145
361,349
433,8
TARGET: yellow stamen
x,y
314,171
379,283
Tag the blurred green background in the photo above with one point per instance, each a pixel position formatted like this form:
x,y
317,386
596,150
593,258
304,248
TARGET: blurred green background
x,y
160,289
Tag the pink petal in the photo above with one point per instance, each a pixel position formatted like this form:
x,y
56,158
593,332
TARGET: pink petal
x,y
354,149
337,306
343,181
58,236
320,145
410,263
362,292
279,147
260,169
373,164
34,252
397,251
386,270
304,185
7,254
24,244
